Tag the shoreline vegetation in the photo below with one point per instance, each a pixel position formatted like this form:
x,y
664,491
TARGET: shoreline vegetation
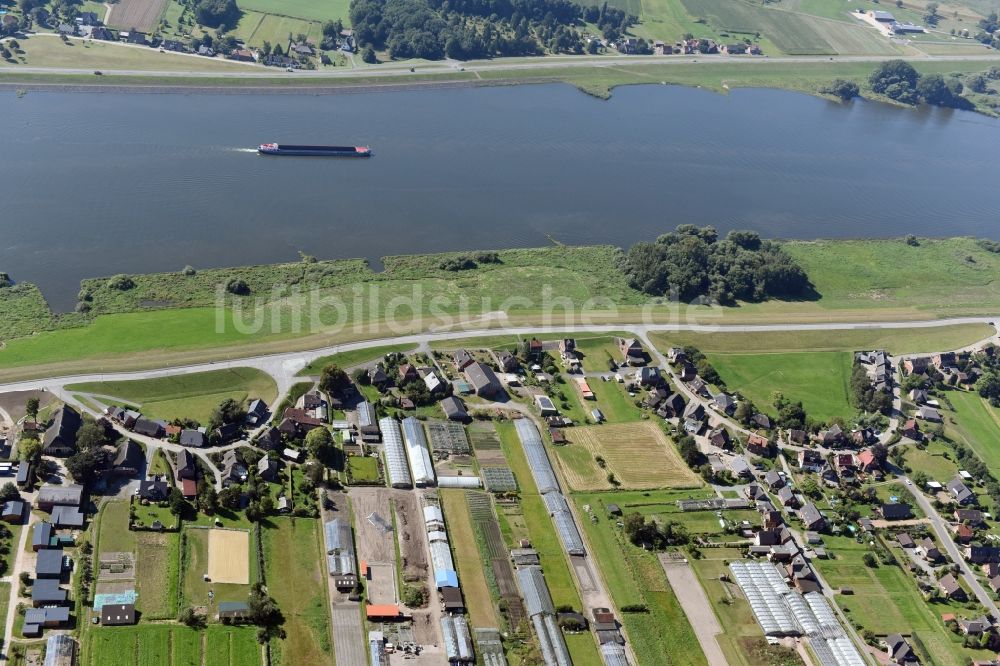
x,y
814,77
133,321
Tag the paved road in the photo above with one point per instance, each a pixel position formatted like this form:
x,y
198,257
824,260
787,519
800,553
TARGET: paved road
x,y
944,536
513,65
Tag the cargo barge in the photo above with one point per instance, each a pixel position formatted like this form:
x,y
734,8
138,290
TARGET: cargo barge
x,y
314,151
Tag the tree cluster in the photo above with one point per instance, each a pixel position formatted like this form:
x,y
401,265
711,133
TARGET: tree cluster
x,y
217,13
898,80
465,29
692,262
229,411
845,90
865,396
649,533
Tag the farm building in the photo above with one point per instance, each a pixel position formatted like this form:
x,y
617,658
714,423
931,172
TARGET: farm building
x,y
367,424
417,453
340,553
433,518
117,614
539,607
395,454
50,496
60,650
566,527
490,647
376,649
457,640
455,409
538,460
459,482
441,561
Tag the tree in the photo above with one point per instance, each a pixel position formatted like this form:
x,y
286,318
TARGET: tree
x,y
29,448
9,492
178,505
977,83
208,499
934,90
84,464
845,90
188,617
237,286
216,13
897,79
368,55
334,380
262,609
229,410
869,560
121,282
320,446
91,436
31,408
229,498
931,16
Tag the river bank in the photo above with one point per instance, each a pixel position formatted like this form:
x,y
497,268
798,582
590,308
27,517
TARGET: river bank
x,y
597,77
224,313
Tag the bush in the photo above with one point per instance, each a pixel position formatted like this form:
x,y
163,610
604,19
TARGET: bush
x,y
845,90
414,596
237,286
460,263
189,271
5,280
121,282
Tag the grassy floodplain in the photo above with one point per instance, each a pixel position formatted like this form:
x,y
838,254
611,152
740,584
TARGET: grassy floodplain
x,y
123,332
191,396
352,358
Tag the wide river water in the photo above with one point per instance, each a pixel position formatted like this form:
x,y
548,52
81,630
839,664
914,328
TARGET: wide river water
x,y
97,183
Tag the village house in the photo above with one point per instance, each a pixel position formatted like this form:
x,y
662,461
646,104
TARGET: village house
x,y
916,365
233,469
484,381
929,550
129,459
905,540
896,511
899,651
911,431
60,437
951,588
973,517
632,351
980,554
960,491
812,518
758,444
810,460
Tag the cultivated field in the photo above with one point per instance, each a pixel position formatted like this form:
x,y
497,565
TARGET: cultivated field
x,y
142,15
639,454
821,380
229,556
169,645
467,558
156,574
192,396
312,10
792,33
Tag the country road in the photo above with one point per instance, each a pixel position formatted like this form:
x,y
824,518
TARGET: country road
x,y
284,366
512,65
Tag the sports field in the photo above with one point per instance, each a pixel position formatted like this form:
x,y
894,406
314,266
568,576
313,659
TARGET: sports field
x,y
192,396
639,454
821,380
229,556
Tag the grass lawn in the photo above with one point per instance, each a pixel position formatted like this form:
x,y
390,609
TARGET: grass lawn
x,y
169,645
597,352
470,566
363,468
978,424
936,461
349,359
195,590
156,574
160,466
313,10
47,51
634,576
191,396
255,28
114,535
297,581
821,380
613,401
886,600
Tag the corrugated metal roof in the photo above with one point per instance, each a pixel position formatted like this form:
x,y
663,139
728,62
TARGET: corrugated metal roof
x,y
395,454
417,453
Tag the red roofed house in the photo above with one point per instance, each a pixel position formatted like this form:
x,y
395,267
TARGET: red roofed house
x,y
189,488
964,533
758,444
866,461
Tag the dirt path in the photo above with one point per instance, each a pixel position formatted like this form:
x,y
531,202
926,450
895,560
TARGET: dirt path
x,y
696,606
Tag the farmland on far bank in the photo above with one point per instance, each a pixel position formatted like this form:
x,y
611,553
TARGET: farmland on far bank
x,y
310,10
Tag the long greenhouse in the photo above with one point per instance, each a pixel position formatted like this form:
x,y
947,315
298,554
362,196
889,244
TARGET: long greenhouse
x,y
395,454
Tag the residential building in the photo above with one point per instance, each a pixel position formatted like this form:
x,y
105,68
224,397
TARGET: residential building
x,y
60,437
483,380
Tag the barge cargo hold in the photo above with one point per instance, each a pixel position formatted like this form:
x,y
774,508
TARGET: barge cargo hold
x,y
314,151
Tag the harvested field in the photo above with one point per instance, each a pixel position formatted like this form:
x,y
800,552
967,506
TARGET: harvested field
x,y
412,535
638,454
142,15
229,556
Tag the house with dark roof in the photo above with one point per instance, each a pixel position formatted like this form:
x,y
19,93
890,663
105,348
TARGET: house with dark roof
x,y
981,554
810,460
267,468
23,473
49,617
234,610
896,511
129,459
46,592
812,518
67,516
233,469
899,650
41,536
720,437
187,468
60,437
257,412
227,432
905,540
154,490
632,351
483,380
960,491
929,550
113,615
973,517
454,409
193,438
149,428
674,403
762,421
49,563
951,588
462,359
13,511
270,440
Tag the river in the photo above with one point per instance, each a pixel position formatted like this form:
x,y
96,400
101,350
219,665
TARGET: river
x,y
100,183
